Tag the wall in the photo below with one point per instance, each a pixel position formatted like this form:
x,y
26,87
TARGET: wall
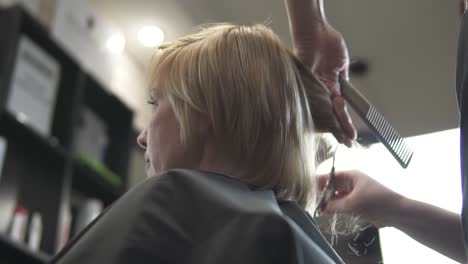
x,y
411,48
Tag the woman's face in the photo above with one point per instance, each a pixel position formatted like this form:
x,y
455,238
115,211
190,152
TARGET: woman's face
x,y
161,140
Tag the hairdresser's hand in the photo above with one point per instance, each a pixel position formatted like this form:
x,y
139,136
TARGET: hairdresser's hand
x,y
326,54
359,194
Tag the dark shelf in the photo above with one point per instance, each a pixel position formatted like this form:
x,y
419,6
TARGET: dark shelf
x,y
32,176
19,253
117,118
12,128
88,182
40,172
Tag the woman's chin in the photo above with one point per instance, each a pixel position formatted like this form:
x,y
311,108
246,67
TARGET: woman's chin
x,y
149,171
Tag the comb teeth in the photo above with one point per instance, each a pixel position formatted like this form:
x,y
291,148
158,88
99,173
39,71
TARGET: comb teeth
x,y
389,137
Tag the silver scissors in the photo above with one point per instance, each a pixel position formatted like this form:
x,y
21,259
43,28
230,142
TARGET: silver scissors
x,y
328,190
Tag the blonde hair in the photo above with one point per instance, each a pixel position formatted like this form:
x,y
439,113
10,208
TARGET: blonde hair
x,y
253,90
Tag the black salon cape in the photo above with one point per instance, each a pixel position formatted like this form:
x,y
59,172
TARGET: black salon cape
x,y
186,216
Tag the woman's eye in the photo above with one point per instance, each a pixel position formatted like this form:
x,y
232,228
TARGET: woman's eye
x,y
153,103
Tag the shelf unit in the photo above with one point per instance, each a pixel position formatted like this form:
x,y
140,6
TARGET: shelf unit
x,y
41,172
118,120
18,253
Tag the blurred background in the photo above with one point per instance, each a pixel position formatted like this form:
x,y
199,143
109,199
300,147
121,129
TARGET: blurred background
x,y
68,148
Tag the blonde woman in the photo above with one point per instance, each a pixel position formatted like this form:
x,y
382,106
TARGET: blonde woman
x,y
230,157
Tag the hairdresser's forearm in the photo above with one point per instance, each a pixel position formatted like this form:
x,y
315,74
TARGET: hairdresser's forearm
x,y
432,226
306,19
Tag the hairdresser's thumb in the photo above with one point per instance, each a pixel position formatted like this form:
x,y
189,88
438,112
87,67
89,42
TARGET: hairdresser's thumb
x,y
339,205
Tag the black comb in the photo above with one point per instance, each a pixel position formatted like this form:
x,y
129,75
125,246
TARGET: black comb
x,y
381,128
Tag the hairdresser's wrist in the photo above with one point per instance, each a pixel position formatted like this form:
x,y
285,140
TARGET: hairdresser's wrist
x,y
305,15
399,213
390,213
307,23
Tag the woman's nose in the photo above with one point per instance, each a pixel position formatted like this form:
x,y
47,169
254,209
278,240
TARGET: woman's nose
x,y
141,139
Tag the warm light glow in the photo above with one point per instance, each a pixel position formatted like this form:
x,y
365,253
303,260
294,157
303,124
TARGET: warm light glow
x,y
22,117
116,43
150,36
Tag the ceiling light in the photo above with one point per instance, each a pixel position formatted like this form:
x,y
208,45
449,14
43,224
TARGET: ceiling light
x,y
116,43
150,36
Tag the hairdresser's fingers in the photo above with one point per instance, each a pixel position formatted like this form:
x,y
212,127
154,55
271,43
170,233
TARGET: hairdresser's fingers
x,y
344,119
344,200
342,184
332,63
322,181
337,129
365,197
324,116
339,124
345,181
340,204
327,57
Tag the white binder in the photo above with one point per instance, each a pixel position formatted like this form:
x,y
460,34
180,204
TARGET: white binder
x,y
34,86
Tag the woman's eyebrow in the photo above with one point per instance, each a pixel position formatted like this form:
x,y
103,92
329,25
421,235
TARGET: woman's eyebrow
x,y
155,91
